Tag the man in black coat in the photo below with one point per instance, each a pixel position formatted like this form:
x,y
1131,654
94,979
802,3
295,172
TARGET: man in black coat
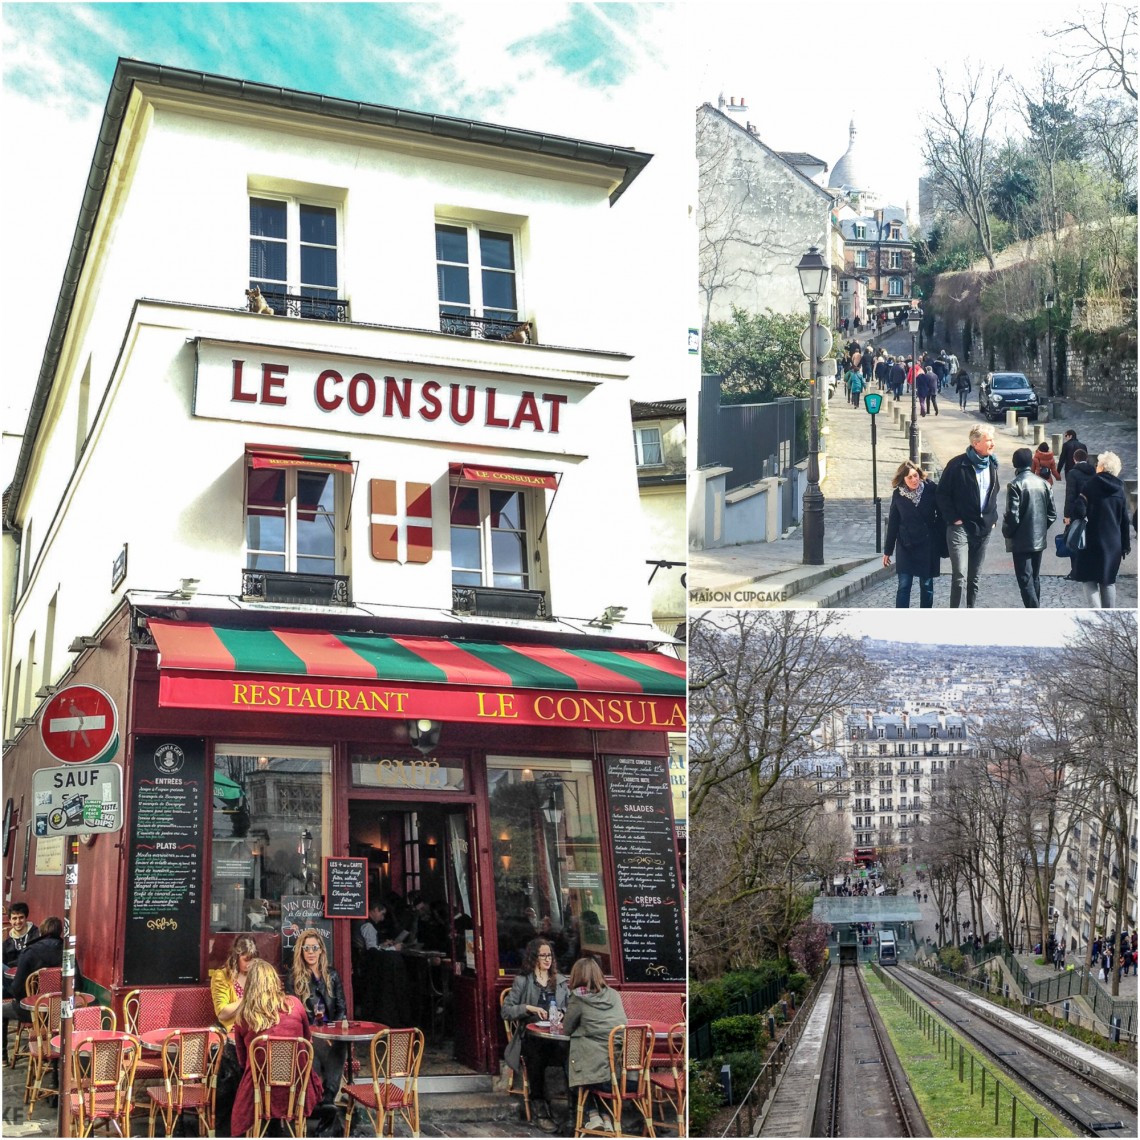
x,y
897,377
1029,513
47,950
1067,458
21,932
1079,474
967,500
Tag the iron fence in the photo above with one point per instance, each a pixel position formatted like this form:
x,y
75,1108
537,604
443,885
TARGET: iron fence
x,y
700,1037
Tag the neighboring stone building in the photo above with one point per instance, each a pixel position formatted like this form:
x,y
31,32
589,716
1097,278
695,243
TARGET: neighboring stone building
x,y
759,213
878,248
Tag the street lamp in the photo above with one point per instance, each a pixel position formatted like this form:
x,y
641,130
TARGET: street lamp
x,y
814,275
914,323
872,401
1049,314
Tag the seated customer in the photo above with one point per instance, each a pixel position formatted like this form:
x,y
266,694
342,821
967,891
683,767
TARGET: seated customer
x,y
319,988
227,988
267,1009
593,1009
21,933
47,950
529,1000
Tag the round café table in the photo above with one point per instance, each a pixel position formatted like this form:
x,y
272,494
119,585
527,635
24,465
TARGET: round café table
x,y
349,1032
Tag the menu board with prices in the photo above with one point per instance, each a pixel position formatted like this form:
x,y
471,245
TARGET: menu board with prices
x,y
346,888
645,866
168,794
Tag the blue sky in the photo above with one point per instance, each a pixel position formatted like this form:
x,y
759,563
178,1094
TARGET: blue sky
x,y
603,72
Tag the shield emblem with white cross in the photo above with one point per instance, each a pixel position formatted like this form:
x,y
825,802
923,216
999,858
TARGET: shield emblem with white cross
x,y
400,516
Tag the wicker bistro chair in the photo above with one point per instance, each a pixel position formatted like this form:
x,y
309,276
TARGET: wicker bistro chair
x,y
396,1055
631,1049
190,1059
671,1088
45,1025
47,979
102,1073
281,1064
524,1080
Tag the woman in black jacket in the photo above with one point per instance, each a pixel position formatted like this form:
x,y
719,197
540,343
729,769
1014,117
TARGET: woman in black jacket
x,y
913,524
1108,539
319,987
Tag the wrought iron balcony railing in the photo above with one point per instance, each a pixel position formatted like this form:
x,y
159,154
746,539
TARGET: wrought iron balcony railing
x,y
486,328
295,589
307,308
491,601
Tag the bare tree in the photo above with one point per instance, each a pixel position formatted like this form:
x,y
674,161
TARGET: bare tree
x,y
956,147
767,683
1102,47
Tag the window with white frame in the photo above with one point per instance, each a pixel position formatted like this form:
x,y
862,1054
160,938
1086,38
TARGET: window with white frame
x,y
476,271
293,516
860,233
860,259
896,259
895,287
492,543
647,446
293,253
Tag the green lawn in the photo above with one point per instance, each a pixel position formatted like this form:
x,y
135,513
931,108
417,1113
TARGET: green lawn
x,y
949,1108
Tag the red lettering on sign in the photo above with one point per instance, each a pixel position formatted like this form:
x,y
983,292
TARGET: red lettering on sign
x,y
238,394
398,393
493,420
528,413
555,403
463,417
362,404
326,402
432,406
272,378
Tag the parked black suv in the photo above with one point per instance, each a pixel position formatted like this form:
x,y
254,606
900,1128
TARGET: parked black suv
x,y
1001,391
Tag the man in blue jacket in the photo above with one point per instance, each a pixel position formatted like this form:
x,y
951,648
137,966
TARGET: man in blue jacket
x,y
967,500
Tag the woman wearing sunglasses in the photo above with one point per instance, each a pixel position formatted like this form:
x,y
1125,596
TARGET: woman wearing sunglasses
x,y
319,987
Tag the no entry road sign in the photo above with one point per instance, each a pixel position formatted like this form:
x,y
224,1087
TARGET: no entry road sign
x,y
80,725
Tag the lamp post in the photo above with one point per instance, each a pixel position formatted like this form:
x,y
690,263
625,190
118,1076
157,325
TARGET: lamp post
x,y
814,276
1049,315
914,323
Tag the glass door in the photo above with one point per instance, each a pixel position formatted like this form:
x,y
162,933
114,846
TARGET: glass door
x,y
468,1010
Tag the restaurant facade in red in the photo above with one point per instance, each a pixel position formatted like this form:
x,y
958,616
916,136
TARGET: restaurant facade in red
x,y
415,657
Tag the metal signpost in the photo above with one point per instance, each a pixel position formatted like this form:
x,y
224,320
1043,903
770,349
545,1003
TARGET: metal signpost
x,y
872,401
79,726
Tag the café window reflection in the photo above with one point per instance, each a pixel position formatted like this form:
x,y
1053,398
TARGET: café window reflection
x,y
547,860
272,829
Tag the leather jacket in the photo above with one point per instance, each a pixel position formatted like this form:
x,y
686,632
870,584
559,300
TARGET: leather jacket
x,y
1029,513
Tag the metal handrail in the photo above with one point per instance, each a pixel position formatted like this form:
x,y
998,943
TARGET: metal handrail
x,y
770,1071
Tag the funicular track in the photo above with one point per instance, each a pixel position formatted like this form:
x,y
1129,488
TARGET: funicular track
x,y
863,1091
1064,1079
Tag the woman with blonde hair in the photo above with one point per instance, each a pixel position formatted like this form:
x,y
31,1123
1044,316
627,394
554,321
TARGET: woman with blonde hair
x,y
319,987
267,1009
592,1010
227,988
1103,502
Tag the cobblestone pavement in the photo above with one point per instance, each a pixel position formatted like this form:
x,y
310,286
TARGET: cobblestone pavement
x,y
849,511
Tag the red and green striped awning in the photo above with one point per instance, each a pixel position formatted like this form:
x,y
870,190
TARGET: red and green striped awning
x,y
210,666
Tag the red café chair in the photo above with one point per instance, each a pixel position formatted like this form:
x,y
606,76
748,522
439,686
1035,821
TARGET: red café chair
x,y
631,1050
144,1010
45,1026
671,1088
281,1066
102,1074
190,1060
396,1055
524,1081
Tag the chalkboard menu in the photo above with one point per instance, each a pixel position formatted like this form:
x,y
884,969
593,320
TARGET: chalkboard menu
x,y
645,863
298,913
346,888
168,794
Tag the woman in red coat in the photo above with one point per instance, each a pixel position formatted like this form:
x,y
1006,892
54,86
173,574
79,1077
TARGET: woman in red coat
x,y
267,1008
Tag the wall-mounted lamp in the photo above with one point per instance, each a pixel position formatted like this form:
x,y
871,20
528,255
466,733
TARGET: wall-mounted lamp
x,y
505,850
424,734
610,615
263,762
79,644
382,857
431,851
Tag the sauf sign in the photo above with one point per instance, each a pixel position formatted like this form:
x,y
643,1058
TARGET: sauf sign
x,y
381,397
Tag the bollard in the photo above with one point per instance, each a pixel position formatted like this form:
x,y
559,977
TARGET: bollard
x,y
1007,991
771,1028
1115,1030
1038,434
1022,426
784,1009
1065,1009
726,1082
1057,443
1011,418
